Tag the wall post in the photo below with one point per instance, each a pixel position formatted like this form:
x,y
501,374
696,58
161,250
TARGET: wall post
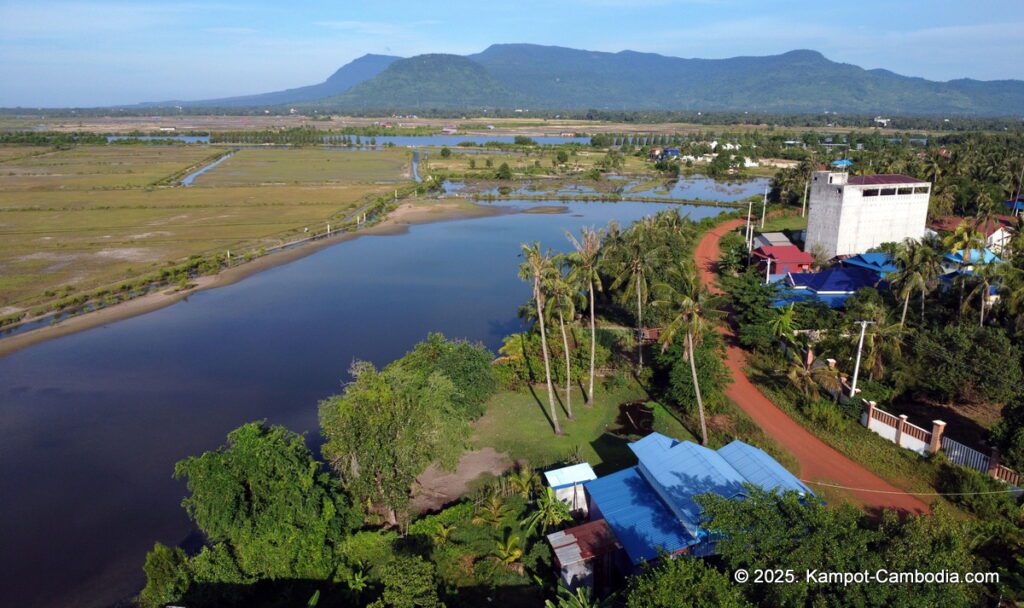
x,y
899,429
938,428
993,463
869,409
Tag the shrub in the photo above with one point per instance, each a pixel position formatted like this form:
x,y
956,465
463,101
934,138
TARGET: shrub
x,y
974,491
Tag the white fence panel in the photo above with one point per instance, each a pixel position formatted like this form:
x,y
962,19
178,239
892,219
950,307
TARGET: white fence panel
x,y
962,455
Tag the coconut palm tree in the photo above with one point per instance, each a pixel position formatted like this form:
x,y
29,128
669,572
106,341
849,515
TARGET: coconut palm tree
x,y
584,262
809,380
536,268
509,553
491,512
783,324
919,266
638,254
965,239
563,304
692,308
550,511
524,480
984,275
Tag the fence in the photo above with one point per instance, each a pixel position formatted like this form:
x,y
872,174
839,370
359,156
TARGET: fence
x,y
912,437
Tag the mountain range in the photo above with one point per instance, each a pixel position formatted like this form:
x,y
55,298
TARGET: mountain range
x,y
529,76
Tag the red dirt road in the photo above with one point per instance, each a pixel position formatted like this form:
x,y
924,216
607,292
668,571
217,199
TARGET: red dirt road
x,y
818,461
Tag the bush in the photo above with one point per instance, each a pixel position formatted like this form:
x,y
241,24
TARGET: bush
x,y
972,491
826,415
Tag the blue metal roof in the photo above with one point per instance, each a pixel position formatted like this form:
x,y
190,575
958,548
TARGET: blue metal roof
x,y
796,296
760,469
569,476
640,519
842,163
879,263
834,280
1017,205
983,256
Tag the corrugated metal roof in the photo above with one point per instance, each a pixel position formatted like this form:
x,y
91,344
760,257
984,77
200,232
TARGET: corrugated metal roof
x,y
760,469
883,179
583,542
567,476
834,280
983,256
881,263
642,522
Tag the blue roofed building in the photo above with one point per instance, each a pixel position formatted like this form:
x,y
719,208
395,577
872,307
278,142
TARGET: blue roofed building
x,y
832,287
969,258
650,507
879,263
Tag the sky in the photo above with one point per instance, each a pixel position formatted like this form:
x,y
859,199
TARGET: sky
x,y
61,53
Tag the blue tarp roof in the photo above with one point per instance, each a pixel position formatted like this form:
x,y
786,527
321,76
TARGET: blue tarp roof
x,y
651,506
642,522
834,280
842,163
1017,205
983,256
880,263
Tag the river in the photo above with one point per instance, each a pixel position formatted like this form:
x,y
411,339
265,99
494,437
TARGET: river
x,y
92,423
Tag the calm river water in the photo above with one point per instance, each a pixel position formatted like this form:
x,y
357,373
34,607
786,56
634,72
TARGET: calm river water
x,y
92,424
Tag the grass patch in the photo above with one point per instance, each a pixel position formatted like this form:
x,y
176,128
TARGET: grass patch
x,y
517,423
778,223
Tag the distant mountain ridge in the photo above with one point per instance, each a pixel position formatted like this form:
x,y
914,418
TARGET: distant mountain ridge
x,y
507,76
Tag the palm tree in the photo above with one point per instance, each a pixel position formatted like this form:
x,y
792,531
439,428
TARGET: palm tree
x,y
692,307
919,266
581,598
536,267
564,304
508,553
584,268
524,480
965,239
550,512
984,274
491,511
639,255
783,324
809,380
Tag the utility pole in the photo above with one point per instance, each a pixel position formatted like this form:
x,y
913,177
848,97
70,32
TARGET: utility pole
x,y
768,272
803,210
856,366
746,235
764,207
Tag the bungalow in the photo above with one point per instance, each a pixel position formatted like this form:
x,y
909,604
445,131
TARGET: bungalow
x,y
783,259
998,231
879,263
833,286
650,507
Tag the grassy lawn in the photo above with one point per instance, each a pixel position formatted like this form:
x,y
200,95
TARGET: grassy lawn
x,y
256,166
517,423
778,223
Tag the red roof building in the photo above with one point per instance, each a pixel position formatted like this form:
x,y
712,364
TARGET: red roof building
x,y
998,231
782,259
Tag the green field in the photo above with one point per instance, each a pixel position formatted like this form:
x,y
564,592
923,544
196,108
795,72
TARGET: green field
x,y
94,167
278,166
73,220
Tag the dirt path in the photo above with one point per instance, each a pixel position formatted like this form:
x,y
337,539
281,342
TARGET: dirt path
x,y
818,461
436,487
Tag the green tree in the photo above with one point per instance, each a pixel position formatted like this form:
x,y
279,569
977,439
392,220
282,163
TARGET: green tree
x,y
683,582
167,577
584,261
385,429
445,152
504,172
637,254
692,309
549,511
264,495
536,268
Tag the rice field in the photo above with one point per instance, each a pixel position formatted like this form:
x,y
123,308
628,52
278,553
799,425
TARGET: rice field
x,y
76,219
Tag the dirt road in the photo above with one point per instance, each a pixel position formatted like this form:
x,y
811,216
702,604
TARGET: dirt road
x,y
818,461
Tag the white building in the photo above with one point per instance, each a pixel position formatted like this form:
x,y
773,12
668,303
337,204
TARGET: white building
x,y
567,483
851,214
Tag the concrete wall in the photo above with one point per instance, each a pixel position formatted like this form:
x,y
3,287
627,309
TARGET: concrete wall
x,y
842,221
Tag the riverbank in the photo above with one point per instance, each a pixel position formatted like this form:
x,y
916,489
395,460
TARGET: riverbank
x,y
397,222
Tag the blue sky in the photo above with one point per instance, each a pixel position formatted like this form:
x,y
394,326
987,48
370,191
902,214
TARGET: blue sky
x,y
69,52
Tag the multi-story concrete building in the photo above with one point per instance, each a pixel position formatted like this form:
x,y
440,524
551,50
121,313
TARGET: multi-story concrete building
x,y
851,214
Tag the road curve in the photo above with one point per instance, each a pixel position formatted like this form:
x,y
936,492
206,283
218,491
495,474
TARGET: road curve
x,y
818,461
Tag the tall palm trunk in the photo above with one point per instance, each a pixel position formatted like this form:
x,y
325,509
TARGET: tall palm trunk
x,y
984,298
568,368
696,389
547,361
593,346
639,324
906,303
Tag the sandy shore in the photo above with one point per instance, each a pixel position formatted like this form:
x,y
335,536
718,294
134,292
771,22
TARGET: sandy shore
x,y
396,223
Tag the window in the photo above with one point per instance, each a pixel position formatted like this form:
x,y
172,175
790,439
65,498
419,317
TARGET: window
x,y
921,190
907,190
888,191
871,192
